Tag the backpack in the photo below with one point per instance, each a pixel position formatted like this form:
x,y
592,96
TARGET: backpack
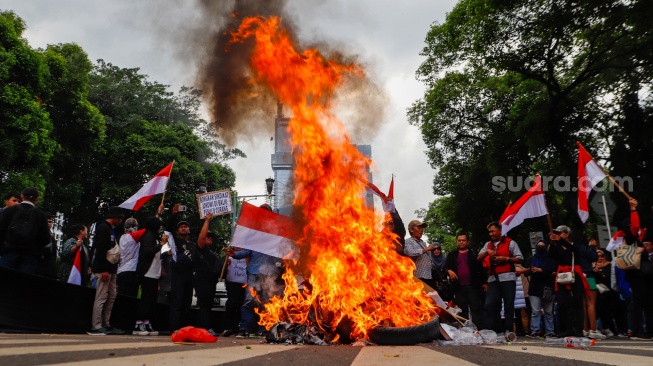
x,y
20,232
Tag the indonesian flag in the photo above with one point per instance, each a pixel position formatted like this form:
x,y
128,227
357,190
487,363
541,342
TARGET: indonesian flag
x,y
153,187
378,192
391,191
76,272
589,174
267,232
530,205
616,241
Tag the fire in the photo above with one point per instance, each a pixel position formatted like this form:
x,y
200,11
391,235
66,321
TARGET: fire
x,y
354,272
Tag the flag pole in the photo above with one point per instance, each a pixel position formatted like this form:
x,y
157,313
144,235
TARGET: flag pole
x,y
172,165
606,173
548,213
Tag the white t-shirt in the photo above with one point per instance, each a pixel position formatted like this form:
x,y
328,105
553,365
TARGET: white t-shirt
x,y
155,267
128,254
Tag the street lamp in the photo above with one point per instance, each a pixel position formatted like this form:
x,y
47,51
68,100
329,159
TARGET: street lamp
x,y
269,184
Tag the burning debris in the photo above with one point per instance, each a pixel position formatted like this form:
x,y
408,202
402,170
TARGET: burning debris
x,y
358,282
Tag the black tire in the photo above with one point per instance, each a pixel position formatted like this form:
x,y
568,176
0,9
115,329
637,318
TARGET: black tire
x,y
406,336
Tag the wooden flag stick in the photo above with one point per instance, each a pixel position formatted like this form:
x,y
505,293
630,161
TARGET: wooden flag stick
x,y
172,165
606,173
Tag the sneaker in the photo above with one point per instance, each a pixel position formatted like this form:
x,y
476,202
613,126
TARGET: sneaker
x,y
114,331
622,335
595,334
242,334
640,337
533,335
227,333
212,332
550,335
140,329
100,331
608,333
586,333
150,330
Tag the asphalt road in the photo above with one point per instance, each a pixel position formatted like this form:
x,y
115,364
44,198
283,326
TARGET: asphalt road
x,y
50,349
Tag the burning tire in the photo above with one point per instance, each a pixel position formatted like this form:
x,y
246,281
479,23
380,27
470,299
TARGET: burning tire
x,y
406,336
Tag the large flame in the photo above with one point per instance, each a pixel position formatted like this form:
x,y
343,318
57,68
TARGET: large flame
x,y
353,271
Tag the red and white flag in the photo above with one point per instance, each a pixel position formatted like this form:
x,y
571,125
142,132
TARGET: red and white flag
x,y
266,232
616,241
155,186
377,191
589,174
76,272
391,191
530,205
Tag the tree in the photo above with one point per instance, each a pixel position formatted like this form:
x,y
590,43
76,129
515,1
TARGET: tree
x,y
25,144
511,86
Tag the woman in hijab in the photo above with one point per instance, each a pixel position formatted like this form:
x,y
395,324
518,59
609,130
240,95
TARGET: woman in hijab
x,y
439,273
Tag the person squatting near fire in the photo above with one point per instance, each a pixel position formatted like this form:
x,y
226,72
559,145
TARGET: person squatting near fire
x,y
468,279
105,272
499,256
264,277
208,268
181,271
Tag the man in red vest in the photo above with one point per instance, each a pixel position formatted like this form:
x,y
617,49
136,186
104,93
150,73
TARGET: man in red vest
x,y
499,256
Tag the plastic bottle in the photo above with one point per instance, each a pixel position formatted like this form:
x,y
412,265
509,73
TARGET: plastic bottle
x,y
575,342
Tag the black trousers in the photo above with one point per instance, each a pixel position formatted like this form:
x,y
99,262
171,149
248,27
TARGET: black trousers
x,y
181,296
127,283
235,299
496,292
642,303
570,309
468,299
205,291
149,295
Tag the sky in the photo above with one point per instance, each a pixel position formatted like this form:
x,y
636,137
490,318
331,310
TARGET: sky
x,y
387,37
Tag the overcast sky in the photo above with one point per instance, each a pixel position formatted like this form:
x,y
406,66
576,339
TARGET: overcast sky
x,y
387,35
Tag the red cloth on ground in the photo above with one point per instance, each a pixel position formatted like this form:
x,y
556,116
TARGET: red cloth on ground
x,y
192,334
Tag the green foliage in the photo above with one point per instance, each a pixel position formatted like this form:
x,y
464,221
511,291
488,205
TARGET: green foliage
x,y
511,86
89,136
25,144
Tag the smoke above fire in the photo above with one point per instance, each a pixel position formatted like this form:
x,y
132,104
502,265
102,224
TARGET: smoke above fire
x,y
243,111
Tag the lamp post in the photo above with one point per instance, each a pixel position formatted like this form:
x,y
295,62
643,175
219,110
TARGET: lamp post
x,y
269,185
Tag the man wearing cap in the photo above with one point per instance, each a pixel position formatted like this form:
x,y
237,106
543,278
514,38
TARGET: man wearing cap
x,y
499,256
105,272
569,297
181,271
22,252
420,253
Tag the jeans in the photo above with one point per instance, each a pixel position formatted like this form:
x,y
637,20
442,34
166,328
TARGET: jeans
x,y
497,291
537,304
266,288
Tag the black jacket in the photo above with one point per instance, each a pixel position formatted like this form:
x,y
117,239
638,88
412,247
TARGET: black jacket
x,y
477,272
149,245
41,237
105,239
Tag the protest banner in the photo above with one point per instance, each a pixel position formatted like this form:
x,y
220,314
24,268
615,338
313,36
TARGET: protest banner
x,y
217,203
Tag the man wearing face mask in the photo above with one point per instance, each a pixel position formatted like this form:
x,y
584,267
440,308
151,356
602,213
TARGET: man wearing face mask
x,y
540,267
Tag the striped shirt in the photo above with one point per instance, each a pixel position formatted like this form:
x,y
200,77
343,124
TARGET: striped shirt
x,y
423,263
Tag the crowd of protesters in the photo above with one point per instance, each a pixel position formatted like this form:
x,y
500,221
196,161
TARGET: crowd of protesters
x,y
495,287
498,289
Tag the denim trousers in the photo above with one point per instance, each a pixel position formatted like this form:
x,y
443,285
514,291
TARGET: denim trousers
x,y
537,304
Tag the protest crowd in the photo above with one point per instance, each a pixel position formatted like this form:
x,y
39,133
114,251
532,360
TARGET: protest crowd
x,y
568,286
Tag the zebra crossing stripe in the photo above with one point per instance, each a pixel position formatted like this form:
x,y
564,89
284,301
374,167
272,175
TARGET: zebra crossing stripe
x,y
13,351
405,355
580,355
203,357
